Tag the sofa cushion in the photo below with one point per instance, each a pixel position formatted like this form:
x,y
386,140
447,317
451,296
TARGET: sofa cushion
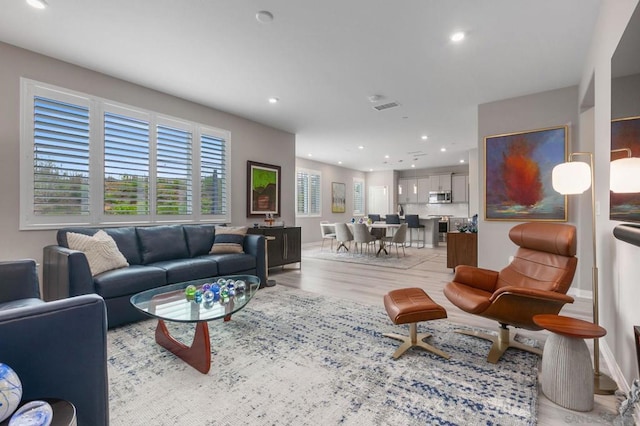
x,y
199,239
229,264
187,269
100,249
129,281
165,242
228,239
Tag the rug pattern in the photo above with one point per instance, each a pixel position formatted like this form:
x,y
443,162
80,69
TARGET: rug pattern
x,y
410,260
297,358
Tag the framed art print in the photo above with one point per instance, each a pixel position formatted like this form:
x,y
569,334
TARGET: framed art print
x,y
625,133
263,191
518,170
338,197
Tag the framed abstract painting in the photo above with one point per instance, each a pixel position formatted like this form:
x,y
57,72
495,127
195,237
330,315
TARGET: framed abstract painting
x,y
518,170
338,197
263,191
625,133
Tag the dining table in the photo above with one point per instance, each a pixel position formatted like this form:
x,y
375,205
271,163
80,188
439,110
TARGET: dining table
x,y
380,225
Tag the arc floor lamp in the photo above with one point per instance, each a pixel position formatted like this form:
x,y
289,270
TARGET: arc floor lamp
x,y
575,177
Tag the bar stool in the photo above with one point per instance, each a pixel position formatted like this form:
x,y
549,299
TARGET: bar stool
x,y
413,222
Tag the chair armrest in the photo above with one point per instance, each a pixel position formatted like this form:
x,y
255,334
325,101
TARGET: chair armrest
x,y
65,273
19,280
254,244
532,293
482,279
59,350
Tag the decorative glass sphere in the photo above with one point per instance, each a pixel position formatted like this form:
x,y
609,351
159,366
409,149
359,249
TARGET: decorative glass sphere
x,y
221,281
224,293
208,296
215,288
198,296
190,291
232,292
240,286
10,391
206,287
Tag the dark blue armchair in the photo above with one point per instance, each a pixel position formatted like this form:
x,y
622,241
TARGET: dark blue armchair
x,y
59,348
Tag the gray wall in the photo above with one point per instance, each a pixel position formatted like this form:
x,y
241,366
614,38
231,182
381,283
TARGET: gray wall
x,y
537,111
249,140
619,268
311,225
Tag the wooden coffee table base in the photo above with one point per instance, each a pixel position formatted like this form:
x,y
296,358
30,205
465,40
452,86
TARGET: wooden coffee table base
x,y
198,355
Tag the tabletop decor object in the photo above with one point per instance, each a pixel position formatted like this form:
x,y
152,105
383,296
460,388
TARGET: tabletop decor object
x,y
34,413
10,391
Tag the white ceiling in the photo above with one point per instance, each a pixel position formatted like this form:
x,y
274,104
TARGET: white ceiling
x,y
323,59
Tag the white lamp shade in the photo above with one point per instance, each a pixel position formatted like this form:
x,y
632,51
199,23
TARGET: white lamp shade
x,y
625,175
571,178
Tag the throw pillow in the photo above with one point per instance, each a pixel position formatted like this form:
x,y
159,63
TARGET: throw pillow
x,y
228,239
100,249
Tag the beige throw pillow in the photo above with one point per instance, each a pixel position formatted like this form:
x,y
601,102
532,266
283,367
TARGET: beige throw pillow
x,y
228,239
100,249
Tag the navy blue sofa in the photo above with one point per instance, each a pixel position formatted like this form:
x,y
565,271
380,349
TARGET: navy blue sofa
x,y
157,256
58,349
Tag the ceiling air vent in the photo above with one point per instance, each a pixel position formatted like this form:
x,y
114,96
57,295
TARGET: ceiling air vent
x,y
386,106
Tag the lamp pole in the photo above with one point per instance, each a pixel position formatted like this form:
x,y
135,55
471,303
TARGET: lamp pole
x,y
603,384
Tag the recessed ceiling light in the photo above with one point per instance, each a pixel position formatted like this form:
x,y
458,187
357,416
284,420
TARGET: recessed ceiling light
x,y
443,149
386,156
264,16
310,155
413,165
462,161
457,37
273,100
339,162
38,4
361,147
370,170
424,137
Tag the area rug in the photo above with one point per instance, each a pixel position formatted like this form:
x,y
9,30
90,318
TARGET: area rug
x,y
298,358
410,260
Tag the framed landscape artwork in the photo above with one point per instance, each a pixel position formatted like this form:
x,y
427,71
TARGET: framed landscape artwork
x,y
625,133
338,197
518,170
263,192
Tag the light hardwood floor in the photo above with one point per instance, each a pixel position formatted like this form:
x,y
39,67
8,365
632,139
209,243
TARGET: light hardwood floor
x,y
367,284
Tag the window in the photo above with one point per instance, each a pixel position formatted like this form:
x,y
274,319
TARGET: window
x,y
89,161
358,196
308,194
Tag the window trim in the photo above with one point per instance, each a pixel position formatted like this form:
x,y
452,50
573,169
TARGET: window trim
x,y
97,107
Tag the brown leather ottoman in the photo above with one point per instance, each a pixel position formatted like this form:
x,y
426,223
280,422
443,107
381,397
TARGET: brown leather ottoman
x,y
410,306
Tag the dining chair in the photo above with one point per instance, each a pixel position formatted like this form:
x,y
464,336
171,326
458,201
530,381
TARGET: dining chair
x,y
343,235
399,238
374,217
392,219
413,222
362,236
328,232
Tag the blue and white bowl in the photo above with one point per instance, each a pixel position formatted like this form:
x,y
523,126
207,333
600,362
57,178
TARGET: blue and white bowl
x,y
10,391
34,413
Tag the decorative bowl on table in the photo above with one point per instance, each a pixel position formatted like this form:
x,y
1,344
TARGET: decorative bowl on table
x,y
34,413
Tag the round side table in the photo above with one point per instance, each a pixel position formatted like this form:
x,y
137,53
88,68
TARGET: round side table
x,y
64,412
567,372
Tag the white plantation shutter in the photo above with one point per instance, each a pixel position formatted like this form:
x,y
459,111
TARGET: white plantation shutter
x,y
90,161
213,175
173,171
126,165
308,192
358,196
60,158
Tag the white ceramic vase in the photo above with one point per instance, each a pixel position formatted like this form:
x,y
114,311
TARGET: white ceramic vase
x,y
10,391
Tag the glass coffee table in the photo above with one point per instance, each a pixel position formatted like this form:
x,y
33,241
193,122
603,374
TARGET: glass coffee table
x,y
197,301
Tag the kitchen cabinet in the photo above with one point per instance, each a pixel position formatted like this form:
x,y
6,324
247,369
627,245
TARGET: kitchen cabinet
x,y
460,188
439,183
407,191
462,249
286,248
424,185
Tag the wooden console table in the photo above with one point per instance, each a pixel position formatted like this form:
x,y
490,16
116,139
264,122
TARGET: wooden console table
x,y
462,249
